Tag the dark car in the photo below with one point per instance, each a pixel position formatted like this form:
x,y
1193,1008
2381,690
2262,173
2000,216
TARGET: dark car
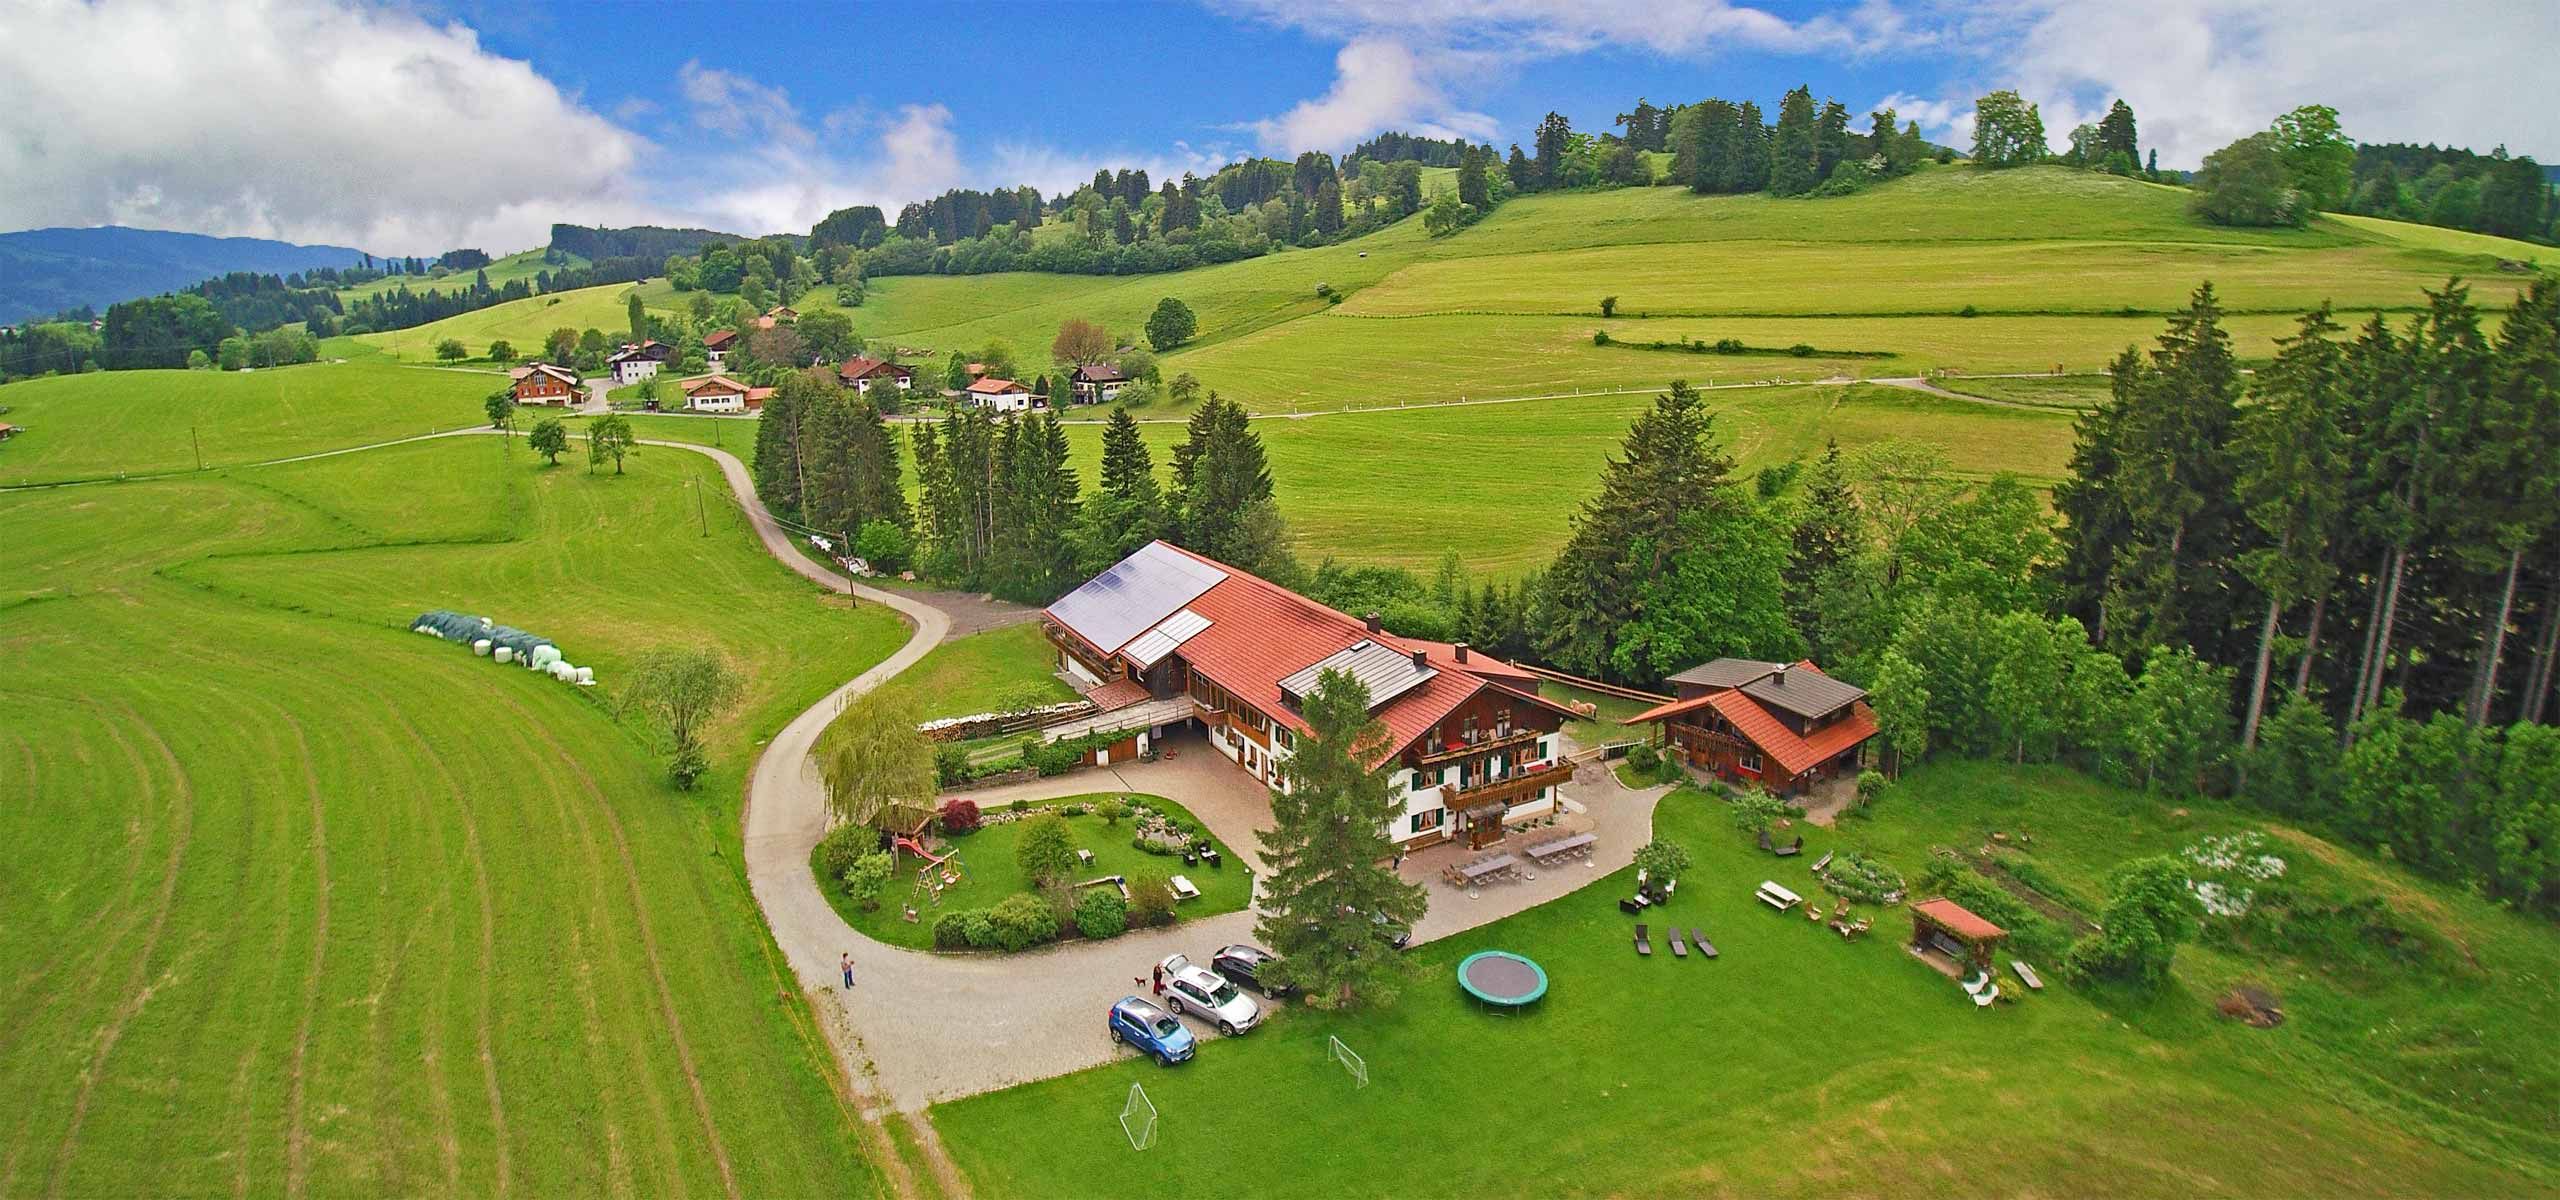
x,y
1137,1022
1243,964
1398,936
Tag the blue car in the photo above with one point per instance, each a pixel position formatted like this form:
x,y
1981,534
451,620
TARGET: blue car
x,y
1137,1022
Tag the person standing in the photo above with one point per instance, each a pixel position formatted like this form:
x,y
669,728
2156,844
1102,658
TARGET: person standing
x,y
848,971
1159,979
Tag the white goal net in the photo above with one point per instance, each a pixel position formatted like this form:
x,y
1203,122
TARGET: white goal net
x,y
1351,1063
1138,1118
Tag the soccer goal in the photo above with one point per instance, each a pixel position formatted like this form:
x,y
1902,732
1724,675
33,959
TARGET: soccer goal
x,y
1138,1118
1352,1063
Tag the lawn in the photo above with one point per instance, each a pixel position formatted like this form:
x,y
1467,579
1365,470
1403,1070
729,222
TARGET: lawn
x,y
109,423
990,873
1798,1064
1603,726
2072,392
983,672
315,904
526,323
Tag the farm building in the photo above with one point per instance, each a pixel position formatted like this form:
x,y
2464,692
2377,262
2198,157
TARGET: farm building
x,y
1097,383
860,373
544,384
780,314
721,394
1172,638
1002,395
633,363
1782,726
717,344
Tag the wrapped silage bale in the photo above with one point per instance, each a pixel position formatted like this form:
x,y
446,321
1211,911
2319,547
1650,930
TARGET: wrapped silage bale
x,y
586,677
504,654
544,656
564,672
480,649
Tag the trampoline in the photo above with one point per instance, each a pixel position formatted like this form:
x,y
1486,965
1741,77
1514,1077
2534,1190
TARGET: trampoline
x,y
1501,979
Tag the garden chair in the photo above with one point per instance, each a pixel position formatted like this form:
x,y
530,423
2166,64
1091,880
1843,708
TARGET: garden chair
x,y
1679,947
1643,947
1705,947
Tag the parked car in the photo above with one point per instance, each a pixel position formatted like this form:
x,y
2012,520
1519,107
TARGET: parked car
x,y
1244,964
1191,988
1137,1022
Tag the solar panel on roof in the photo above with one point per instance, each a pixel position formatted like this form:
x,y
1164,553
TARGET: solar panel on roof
x,y
1134,594
1387,671
1162,639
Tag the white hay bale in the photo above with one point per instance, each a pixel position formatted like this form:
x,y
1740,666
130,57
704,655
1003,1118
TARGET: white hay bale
x,y
544,656
480,648
586,677
504,654
564,672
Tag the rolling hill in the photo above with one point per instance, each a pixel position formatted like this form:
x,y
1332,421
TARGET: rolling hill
x,y
44,271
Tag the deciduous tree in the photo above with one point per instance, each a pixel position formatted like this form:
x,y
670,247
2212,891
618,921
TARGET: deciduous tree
x,y
685,688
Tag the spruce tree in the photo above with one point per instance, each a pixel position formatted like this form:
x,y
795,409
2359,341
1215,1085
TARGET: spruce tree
x,y
777,454
1829,535
1751,160
2291,480
1631,531
1795,152
1331,904
1555,137
2116,133
1128,511
1831,139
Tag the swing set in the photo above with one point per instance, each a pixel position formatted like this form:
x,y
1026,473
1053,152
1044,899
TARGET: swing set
x,y
905,826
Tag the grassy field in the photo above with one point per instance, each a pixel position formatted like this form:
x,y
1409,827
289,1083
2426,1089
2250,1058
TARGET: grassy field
x,y
524,265
526,323
1603,726
2072,392
109,423
982,672
1799,1065
313,904
989,874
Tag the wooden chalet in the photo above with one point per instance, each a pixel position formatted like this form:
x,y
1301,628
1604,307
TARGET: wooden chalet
x,y
716,346
1096,383
860,373
721,394
1782,726
1171,639
541,384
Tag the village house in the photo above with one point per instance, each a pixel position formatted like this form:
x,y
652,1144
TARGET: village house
x,y
721,394
633,363
860,373
1784,727
1097,383
780,314
541,384
1167,638
716,345
1002,395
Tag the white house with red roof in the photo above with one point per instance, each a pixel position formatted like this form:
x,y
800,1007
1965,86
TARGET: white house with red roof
x,y
1001,395
860,373
1173,638
637,361
721,394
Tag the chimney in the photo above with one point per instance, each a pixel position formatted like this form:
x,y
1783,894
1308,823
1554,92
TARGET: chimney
x,y
1462,652
1372,621
1778,676
1421,661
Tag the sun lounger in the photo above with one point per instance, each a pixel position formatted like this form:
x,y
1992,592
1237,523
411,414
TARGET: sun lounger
x,y
1643,946
1679,945
2027,974
1986,996
1789,851
1705,947
1824,861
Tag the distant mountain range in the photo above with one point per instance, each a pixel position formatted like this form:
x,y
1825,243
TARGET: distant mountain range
x,y
44,271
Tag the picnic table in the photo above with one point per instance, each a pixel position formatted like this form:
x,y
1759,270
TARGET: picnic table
x,y
1184,889
1494,865
1778,897
1578,841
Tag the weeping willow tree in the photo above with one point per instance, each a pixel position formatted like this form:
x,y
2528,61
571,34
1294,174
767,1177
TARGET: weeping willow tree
x,y
872,757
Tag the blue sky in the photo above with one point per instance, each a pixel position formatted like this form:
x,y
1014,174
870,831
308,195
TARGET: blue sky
x,y
412,126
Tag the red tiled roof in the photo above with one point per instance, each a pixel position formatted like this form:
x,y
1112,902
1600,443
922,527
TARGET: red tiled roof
x,y
1478,662
719,383
866,366
1118,694
992,386
1757,725
1958,920
718,338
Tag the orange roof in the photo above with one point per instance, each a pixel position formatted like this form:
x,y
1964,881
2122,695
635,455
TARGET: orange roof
x,y
1958,920
1757,725
1118,694
715,383
865,366
718,338
992,386
1260,633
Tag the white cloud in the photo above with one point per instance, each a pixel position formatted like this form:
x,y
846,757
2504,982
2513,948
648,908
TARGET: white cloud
x,y
1378,84
2200,75
733,105
299,119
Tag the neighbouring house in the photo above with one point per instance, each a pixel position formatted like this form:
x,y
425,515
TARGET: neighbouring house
x,y
542,384
633,363
1002,395
1097,383
780,314
1782,726
716,345
860,373
721,394
1169,638
977,371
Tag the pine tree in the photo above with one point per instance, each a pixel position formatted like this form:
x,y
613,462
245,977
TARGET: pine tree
x,y
1631,531
1523,176
2291,482
1129,510
1555,136
1831,139
1472,188
1829,535
778,452
1795,152
2116,133
1751,161
1331,905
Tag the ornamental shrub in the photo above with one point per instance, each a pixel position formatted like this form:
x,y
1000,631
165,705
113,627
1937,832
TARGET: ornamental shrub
x,y
843,846
951,930
1101,913
1643,758
1150,901
1862,878
1047,851
1021,921
868,874
1111,810
951,763
960,817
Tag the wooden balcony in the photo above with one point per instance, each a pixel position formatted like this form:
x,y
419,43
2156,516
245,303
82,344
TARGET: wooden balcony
x,y
1506,792
1457,750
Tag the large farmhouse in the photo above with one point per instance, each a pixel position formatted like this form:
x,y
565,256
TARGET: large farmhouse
x,y
543,384
633,363
721,394
1784,727
860,373
1173,639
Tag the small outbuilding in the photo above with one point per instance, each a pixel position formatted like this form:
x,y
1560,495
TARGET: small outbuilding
x,y
1950,937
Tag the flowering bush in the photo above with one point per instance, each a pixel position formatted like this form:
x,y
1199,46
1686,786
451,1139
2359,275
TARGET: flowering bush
x,y
960,816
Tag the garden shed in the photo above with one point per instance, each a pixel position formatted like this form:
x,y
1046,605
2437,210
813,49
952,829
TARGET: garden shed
x,y
1949,936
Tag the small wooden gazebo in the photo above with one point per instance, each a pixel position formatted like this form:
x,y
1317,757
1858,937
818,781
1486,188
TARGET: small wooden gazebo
x,y
1945,928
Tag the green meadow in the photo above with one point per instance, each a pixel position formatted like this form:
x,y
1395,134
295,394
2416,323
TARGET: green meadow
x,y
1800,1064
526,323
310,903
522,265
